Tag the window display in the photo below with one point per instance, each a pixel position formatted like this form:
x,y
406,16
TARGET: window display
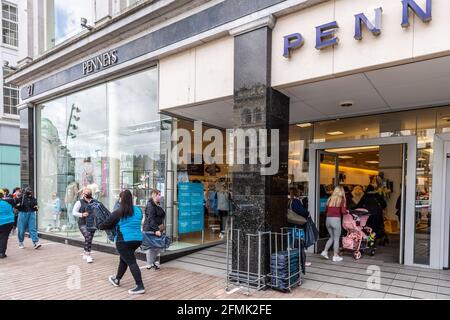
x,y
88,139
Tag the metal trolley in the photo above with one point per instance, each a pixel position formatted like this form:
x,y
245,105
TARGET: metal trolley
x,y
286,254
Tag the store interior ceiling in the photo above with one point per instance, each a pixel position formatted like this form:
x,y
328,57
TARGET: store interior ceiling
x,y
408,86
361,158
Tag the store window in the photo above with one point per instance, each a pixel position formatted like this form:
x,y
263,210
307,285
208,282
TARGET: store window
x,y
204,195
10,96
10,29
63,19
107,138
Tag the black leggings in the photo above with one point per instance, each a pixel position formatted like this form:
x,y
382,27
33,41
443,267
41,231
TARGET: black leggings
x,y
88,235
126,251
5,230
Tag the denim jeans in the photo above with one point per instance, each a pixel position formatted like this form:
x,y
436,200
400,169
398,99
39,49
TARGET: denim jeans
x,y
27,221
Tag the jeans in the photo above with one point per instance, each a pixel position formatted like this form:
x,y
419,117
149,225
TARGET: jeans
x,y
5,230
88,237
126,251
223,216
151,255
334,229
27,220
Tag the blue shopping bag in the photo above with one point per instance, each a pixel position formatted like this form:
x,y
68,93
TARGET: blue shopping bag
x,y
152,241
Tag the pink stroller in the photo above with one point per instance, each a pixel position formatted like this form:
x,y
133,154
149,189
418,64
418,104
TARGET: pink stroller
x,y
360,237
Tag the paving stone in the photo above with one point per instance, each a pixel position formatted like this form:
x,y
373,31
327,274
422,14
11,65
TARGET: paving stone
x,y
400,291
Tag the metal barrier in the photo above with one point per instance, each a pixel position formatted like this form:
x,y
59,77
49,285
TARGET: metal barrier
x,y
286,255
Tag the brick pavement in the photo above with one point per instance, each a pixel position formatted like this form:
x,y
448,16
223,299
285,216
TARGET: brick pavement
x,y
50,273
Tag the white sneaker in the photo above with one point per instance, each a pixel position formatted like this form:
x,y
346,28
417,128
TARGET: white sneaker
x,y
21,246
308,264
337,259
89,259
324,254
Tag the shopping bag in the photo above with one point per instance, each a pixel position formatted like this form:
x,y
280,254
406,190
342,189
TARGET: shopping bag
x,y
311,233
294,218
152,241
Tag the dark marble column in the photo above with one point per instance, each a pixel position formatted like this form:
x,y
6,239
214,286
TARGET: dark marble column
x,y
27,151
261,199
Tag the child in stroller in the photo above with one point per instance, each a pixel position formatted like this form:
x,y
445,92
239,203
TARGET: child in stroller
x,y
360,237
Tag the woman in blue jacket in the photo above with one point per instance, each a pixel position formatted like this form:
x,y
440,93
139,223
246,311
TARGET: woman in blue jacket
x,y
127,222
6,222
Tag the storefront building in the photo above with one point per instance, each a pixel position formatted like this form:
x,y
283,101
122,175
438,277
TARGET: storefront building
x,y
358,92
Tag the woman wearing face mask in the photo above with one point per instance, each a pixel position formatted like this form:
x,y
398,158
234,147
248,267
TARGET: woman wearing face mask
x,y
80,211
154,222
27,206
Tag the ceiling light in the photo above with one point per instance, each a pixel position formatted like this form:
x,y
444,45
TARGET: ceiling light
x,y
304,125
422,159
345,157
373,162
446,118
369,148
346,104
335,133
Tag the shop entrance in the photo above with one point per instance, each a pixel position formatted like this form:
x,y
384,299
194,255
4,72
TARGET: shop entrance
x,y
378,167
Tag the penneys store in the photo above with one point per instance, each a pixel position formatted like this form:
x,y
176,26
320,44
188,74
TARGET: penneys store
x,y
359,91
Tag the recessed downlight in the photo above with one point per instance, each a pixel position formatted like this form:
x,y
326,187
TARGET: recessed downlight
x,y
346,104
335,133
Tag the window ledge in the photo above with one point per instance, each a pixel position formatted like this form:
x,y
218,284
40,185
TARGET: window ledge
x,y
10,116
8,46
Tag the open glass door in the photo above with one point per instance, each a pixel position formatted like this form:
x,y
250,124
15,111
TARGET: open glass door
x,y
328,175
401,258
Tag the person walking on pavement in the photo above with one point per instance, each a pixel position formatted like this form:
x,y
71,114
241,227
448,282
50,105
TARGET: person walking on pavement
x,y
127,221
80,210
16,194
27,206
154,222
6,222
336,208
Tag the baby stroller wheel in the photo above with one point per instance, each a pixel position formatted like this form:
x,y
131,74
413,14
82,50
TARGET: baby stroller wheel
x,y
372,252
357,255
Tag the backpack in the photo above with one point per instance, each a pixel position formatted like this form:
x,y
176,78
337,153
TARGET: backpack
x,y
98,213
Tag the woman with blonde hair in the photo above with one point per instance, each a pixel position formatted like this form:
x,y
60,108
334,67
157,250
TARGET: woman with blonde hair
x,y
336,207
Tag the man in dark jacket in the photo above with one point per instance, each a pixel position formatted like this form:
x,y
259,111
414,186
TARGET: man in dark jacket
x,y
27,206
154,222
375,204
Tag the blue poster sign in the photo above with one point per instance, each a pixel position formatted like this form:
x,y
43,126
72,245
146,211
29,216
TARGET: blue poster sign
x,y
190,207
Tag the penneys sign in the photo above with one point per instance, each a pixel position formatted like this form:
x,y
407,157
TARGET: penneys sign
x,y
100,62
325,36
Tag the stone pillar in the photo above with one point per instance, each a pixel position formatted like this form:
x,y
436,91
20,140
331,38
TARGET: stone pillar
x,y
261,199
27,152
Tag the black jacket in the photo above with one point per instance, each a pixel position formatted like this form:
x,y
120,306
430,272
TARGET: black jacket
x,y
26,204
154,216
373,202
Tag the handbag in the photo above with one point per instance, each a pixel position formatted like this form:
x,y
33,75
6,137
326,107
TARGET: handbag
x,y
311,233
294,218
151,241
